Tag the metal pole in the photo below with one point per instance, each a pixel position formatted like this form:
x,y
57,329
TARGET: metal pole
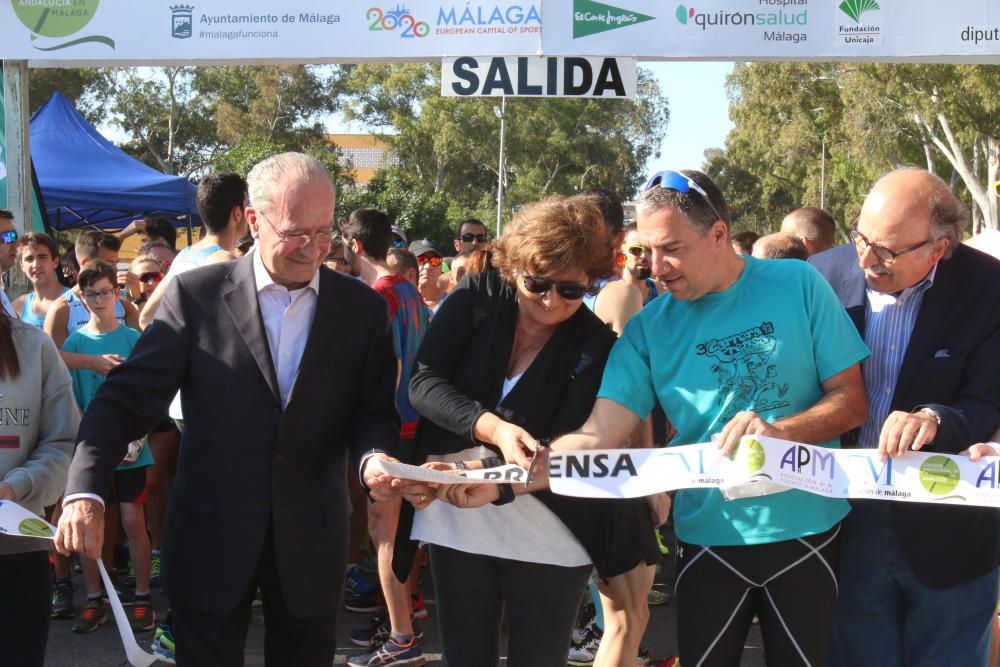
x,y
822,178
503,114
18,156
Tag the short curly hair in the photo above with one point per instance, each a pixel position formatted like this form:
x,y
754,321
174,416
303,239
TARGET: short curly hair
x,y
553,235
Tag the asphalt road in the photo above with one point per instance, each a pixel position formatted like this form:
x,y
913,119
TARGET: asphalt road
x,y
103,647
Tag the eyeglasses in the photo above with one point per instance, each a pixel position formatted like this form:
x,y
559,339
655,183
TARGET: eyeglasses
x,y
678,182
469,238
884,255
424,259
567,289
105,293
398,243
150,277
638,250
321,237
8,237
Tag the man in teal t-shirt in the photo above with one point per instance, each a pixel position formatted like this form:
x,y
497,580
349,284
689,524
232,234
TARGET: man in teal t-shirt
x,y
738,346
103,335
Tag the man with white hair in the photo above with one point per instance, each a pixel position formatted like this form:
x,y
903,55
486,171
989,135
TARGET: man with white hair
x,y
260,498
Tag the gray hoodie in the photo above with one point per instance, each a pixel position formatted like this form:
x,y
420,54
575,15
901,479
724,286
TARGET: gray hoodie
x,y
38,424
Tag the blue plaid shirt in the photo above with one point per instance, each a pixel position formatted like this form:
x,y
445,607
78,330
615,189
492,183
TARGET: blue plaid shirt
x,y
889,321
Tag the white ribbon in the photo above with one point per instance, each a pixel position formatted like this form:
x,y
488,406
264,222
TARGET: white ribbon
x,y
19,522
772,465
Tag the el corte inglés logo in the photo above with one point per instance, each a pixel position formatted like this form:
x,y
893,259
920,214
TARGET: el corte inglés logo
x,y
591,17
59,18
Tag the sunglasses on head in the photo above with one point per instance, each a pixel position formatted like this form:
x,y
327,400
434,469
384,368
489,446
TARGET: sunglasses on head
x,y
567,289
469,238
433,259
150,277
398,243
669,179
8,237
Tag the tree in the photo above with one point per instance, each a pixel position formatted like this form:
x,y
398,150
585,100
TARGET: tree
x,y
554,146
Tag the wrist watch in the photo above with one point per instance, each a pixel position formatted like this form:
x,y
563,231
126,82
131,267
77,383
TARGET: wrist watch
x,y
933,413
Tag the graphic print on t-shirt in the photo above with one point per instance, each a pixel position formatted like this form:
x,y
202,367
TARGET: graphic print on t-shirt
x,y
747,381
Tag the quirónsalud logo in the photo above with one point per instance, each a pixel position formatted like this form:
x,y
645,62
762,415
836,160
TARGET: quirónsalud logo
x,y
590,18
59,18
858,8
683,14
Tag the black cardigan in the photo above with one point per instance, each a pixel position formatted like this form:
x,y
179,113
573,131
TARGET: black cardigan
x,y
459,374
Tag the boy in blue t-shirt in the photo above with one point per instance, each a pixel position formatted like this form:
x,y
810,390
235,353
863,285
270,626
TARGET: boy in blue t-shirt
x,y
104,335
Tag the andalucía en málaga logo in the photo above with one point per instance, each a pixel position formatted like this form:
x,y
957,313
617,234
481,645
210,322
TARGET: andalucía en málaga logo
x,y
56,19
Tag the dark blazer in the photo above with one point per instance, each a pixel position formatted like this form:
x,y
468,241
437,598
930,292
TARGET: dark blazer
x,y
952,365
459,374
246,465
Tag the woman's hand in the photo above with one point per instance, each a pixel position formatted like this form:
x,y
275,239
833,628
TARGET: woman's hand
x,y
422,494
517,445
468,496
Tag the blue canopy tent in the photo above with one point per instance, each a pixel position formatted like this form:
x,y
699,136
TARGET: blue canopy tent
x,y
87,181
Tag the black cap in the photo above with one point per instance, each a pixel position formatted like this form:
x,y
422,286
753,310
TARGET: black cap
x,y
424,246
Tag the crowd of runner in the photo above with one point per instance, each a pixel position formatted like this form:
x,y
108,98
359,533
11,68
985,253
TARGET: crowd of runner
x,y
203,429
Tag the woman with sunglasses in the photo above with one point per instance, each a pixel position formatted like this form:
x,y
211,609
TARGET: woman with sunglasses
x,y
511,353
144,274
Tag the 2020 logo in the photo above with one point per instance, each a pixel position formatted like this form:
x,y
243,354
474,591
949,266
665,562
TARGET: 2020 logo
x,y
399,18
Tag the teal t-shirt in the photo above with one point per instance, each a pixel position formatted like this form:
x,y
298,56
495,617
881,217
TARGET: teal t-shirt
x,y
765,344
85,381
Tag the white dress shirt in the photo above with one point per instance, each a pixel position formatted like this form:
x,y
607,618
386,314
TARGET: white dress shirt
x,y
288,317
5,302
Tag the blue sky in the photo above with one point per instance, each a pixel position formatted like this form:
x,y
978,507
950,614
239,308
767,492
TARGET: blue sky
x,y
699,111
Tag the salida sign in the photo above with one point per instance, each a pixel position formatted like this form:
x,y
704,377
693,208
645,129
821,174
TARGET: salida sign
x,y
531,76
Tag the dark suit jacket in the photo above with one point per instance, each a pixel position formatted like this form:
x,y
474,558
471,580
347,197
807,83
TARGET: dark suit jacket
x,y
952,365
244,462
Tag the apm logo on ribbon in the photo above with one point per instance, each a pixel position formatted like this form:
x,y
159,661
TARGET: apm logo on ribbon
x,y
55,19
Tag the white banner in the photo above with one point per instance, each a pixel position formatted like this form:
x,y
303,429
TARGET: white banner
x,y
19,522
500,475
530,76
779,465
312,31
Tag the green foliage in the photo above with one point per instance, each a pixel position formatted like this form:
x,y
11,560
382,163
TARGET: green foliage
x,y
869,118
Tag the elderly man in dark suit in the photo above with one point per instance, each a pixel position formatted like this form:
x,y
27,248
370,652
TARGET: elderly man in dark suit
x,y
285,367
918,582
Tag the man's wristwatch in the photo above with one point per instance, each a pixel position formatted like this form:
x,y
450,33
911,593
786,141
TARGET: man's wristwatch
x,y
933,413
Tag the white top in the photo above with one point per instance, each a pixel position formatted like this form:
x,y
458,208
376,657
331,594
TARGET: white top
x,y
524,530
288,316
5,302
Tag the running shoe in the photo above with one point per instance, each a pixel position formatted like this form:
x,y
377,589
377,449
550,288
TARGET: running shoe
x,y
163,645
390,653
379,632
418,608
358,583
141,616
582,654
62,601
93,616
585,623
154,570
657,598
372,603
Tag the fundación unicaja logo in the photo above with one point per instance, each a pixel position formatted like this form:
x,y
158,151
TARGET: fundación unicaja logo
x,y
181,21
56,19
940,476
590,18
858,8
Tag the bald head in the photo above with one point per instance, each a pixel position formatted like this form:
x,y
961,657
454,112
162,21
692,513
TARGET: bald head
x,y
779,246
913,215
813,226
